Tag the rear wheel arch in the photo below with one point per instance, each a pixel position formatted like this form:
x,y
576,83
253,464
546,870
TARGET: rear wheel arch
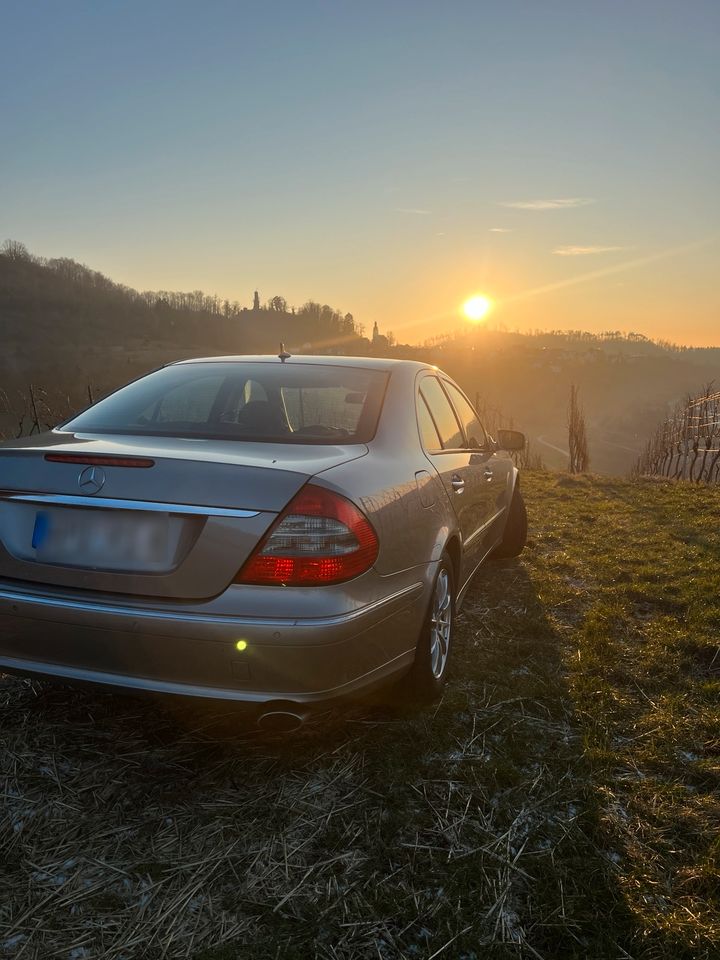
x,y
428,675
452,548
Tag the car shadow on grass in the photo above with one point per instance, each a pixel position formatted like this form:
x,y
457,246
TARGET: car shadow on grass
x,y
470,829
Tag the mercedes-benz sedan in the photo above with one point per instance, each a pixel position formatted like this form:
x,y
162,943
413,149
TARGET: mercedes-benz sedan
x,y
282,531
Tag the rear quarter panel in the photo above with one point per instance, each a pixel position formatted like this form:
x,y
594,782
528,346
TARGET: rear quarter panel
x,y
397,487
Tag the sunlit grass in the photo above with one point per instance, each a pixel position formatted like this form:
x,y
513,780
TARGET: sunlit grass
x,y
561,801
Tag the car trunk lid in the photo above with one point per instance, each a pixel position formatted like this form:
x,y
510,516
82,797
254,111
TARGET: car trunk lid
x,y
154,516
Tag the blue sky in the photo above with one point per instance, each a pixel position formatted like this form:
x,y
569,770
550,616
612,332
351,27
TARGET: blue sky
x,y
388,158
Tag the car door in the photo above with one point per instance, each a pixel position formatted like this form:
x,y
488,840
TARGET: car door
x,y
492,471
447,448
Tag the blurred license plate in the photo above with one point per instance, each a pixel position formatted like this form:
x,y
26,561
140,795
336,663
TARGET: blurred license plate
x,y
95,538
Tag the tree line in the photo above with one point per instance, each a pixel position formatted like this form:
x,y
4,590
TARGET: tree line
x,y
53,286
49,286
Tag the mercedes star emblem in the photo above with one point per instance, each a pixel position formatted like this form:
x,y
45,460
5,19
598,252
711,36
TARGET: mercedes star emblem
x,y
91,480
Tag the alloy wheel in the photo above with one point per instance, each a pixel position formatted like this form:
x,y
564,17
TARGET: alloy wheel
x,y
440,625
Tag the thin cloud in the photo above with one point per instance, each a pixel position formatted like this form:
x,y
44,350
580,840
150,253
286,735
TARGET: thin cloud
x,y
561,203
584,251
415,210
500,230
608,271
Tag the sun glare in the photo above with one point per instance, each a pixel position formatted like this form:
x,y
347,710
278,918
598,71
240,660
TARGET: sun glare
x,y
477,308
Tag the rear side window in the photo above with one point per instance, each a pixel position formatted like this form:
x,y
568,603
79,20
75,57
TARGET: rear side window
x,y
473,428
268,402
428,432
442,413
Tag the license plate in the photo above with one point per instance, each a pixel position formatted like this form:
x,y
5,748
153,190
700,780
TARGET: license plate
x,y
94,538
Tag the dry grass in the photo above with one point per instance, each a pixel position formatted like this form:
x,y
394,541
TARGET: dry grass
x,y
561,801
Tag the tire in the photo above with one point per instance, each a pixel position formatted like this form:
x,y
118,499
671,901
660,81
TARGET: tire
x,y
516,530
428,676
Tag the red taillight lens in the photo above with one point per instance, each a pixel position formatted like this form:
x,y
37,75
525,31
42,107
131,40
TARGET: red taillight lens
x,y
319,538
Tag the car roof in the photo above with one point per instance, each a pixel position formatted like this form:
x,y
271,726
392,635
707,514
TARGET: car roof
x,y
367,363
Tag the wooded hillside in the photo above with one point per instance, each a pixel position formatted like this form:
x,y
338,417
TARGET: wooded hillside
x,y
65,326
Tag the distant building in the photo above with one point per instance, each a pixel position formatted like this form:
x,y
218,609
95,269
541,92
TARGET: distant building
x,y
256,301
379,341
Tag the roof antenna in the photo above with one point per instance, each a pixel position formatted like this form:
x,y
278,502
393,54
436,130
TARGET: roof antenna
x,y
284,355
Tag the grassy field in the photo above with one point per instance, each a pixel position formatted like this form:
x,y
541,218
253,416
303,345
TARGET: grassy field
x,y
563,800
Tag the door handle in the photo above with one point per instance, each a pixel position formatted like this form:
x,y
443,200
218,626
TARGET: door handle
x,y
457,483
488,474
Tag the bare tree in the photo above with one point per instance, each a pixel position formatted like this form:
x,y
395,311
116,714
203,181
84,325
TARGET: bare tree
x,y
279,304
493,419
14,250
577,434
37,410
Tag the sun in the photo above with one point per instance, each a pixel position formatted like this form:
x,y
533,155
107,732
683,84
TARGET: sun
x,y
477,307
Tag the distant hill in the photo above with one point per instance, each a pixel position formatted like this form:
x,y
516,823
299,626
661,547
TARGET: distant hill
x,y
64,326
59,317
624,395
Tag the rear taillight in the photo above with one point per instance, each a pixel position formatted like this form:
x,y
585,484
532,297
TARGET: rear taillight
x,y
319,538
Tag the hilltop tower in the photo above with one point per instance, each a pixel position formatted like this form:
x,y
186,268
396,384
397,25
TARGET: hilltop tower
x,y
256,301
380,342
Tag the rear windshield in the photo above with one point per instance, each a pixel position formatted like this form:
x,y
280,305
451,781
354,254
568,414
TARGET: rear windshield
x,y
271,402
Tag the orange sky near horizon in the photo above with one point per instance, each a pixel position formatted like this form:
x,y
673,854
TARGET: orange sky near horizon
x,y
670,294
390,160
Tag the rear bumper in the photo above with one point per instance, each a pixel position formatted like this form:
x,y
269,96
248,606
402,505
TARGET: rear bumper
x,y
171,651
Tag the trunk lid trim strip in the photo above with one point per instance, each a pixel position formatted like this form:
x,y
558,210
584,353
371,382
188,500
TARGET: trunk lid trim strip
x,y
69,500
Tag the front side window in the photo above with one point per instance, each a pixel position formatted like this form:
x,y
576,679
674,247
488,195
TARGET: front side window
x,y
259,401
442,413
474,431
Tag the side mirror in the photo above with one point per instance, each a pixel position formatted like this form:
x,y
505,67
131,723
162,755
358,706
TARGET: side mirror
x,y
510,440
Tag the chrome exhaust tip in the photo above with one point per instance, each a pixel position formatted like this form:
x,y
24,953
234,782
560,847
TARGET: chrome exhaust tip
x,y
281,720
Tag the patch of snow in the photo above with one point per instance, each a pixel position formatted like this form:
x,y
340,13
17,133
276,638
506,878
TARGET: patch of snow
x,y
13,941
511,925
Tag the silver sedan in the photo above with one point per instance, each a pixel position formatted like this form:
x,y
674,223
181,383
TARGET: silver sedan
x,y
282,531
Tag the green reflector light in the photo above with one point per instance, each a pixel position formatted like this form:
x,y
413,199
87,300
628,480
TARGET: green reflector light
x,y
241,645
